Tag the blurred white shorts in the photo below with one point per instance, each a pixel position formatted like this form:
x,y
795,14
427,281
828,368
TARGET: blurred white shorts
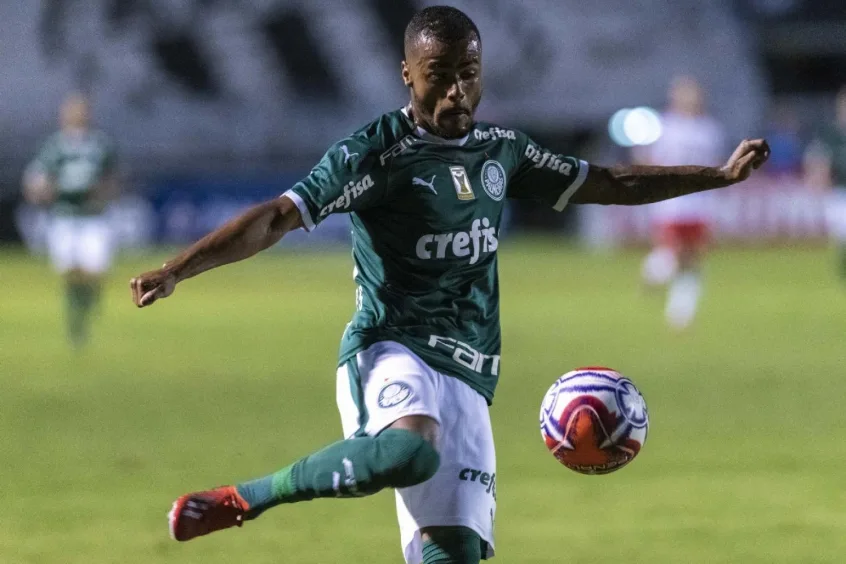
x,y
80,243
386,382
835,211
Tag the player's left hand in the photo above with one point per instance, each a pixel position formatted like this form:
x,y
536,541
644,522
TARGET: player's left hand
x,y
749,156
152,286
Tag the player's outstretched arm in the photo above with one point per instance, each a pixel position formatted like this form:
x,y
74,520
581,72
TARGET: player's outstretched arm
x,y
638,184
257,229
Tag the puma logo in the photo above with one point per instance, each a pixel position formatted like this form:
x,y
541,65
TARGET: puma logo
x,y
347,154
430,185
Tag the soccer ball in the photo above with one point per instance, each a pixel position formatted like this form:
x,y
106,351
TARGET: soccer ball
x,y
594,420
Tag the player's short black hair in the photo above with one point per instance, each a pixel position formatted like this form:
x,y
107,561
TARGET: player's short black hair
x,y
444,23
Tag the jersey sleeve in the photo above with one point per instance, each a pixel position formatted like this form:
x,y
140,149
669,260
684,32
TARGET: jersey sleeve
x,y
545,176
348,178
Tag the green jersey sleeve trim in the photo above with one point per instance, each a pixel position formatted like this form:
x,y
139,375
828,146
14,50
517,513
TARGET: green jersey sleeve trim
x,y
577,183
544,175
308,223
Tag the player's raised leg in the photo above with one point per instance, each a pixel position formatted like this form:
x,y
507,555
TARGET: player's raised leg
x,y
391,444
400,456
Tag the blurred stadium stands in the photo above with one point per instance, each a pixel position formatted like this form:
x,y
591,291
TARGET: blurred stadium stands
x,y
217,103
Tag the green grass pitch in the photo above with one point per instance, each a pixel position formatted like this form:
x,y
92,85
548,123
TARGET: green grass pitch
x,y
233,377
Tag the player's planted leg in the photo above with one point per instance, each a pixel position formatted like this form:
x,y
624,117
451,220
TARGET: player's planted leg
x,y
82,294
395,458
451,545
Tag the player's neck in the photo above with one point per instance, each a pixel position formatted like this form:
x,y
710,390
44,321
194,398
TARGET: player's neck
x,y
74,132
426,135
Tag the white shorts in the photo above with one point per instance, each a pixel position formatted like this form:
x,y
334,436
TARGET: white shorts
x,y
836,214
392,382
83,243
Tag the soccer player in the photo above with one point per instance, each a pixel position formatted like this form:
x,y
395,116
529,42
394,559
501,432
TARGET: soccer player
x,y
825,168
681,225
74,175
425,187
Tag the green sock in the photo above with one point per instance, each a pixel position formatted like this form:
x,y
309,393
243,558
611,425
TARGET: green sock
x,y
357,467
81,298
452,545
77,312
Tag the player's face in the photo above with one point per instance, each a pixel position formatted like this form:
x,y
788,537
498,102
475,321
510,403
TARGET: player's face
x,y
446,85
74,114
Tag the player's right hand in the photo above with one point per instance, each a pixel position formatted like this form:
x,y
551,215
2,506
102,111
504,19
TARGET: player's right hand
x,y
151,286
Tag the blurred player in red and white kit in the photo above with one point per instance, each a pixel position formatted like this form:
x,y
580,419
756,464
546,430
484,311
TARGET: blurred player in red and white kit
x,y
680,226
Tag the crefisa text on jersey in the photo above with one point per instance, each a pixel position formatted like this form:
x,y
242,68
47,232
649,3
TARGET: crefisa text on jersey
x,y
481,239
352,191
549,160
494,133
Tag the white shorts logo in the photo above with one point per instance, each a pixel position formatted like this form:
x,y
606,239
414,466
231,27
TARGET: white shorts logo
x,y
493,179
394,394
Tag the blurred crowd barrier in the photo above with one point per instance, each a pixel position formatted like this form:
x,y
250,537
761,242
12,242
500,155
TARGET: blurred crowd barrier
x,y
764,210
179,81
178,211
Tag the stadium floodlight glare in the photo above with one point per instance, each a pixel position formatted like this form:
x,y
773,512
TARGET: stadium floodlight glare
x,y
616,128
635,126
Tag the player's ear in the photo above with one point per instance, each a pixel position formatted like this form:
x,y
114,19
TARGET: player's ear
x,y
406,74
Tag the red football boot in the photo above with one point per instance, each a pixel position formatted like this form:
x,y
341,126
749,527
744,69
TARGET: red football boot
x,y
200,513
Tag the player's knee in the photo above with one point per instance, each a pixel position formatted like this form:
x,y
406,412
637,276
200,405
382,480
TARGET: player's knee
x,y
413,459
451,545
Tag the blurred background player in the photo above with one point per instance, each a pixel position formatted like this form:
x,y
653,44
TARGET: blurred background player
x,y
680,226
825,168
74,176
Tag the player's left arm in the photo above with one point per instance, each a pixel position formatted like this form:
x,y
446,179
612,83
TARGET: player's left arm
x,y
38,178
644,184
108,186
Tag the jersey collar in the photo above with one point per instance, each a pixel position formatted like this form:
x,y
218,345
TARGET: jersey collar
x,y
430,138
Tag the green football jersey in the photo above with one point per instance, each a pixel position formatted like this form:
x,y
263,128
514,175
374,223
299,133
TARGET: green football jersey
x,y
426,216
832,142
76,163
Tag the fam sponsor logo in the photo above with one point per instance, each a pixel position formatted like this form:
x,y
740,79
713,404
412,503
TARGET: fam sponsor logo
x,y
398,148
465,355
480,240
543,158
352,191
494,133
488,480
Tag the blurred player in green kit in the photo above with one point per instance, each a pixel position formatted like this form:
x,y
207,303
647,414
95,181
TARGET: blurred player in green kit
x,y
74,176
